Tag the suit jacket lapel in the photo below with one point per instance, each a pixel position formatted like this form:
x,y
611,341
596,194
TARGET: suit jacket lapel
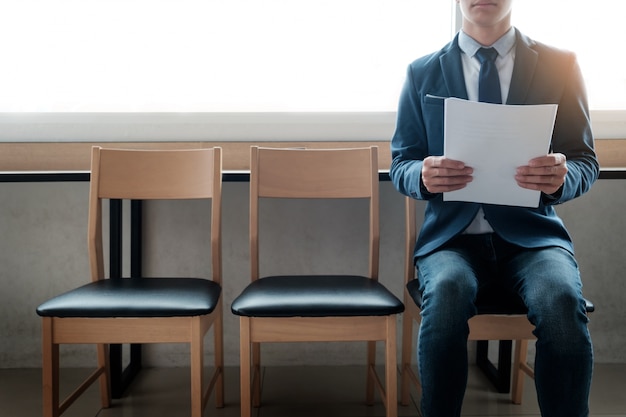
x,y
523,70
452,69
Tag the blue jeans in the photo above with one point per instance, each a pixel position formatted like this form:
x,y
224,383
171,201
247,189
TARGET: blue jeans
x,y
548,281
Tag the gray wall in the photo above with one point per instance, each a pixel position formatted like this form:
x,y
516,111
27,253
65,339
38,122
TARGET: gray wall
x,y
42,252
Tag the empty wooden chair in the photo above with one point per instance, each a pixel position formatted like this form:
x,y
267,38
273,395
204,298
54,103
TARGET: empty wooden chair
x,y
316,308
139,309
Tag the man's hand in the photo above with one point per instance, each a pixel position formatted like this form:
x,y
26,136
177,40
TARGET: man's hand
x,y
545,173
440,174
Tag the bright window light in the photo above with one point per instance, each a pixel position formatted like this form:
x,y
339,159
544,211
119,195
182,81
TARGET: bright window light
x,y
213,55
594,31
256,70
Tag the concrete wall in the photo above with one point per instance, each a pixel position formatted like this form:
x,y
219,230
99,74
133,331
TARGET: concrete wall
x,y
43,252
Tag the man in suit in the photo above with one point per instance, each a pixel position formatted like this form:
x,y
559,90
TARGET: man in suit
x,y
462,245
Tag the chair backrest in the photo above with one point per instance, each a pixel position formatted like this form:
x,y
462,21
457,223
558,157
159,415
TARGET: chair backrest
x,y
314,173
151,175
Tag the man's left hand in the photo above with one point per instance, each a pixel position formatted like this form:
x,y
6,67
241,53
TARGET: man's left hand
x,y
545,173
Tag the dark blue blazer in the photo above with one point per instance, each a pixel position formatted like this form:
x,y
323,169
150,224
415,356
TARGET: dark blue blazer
x,y
541,75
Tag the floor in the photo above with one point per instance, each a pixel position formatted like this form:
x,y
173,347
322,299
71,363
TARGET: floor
x,y
286,392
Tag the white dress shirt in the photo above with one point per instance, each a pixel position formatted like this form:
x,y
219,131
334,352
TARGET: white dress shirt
x,y
471,69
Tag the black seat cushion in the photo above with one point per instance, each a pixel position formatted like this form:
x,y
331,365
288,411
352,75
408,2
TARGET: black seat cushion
x,y
491,299
137,297
316,296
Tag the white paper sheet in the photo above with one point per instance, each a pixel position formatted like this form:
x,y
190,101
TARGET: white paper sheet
x,y
494,140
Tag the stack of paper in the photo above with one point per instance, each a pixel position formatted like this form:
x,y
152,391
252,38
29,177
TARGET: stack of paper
x,y
494,140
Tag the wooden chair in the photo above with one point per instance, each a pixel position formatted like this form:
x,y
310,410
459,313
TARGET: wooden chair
x,y
500,317
139,309
316,308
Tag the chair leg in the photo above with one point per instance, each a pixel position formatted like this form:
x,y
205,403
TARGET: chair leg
x,y
105,378
50,371
519,361
244,363
256,374
391,374
197,368
407,348
371,364
218,337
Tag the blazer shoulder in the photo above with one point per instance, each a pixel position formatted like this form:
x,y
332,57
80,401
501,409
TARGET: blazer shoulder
x,y
541,72
431,60
547,52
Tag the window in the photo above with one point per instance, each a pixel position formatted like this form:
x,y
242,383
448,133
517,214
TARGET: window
x,y
292,69
213,55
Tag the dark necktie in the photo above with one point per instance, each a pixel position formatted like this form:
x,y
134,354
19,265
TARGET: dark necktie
x,y
488,80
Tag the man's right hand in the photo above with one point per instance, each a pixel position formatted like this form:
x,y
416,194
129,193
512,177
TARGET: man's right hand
x,y
440,174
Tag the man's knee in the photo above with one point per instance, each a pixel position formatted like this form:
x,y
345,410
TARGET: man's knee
x,y
559,315
450,298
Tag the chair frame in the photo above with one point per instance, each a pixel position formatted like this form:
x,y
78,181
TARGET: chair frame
x,y
514,327
204,166
336,179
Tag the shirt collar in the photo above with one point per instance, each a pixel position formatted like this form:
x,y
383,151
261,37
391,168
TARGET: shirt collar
x,y
503,45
